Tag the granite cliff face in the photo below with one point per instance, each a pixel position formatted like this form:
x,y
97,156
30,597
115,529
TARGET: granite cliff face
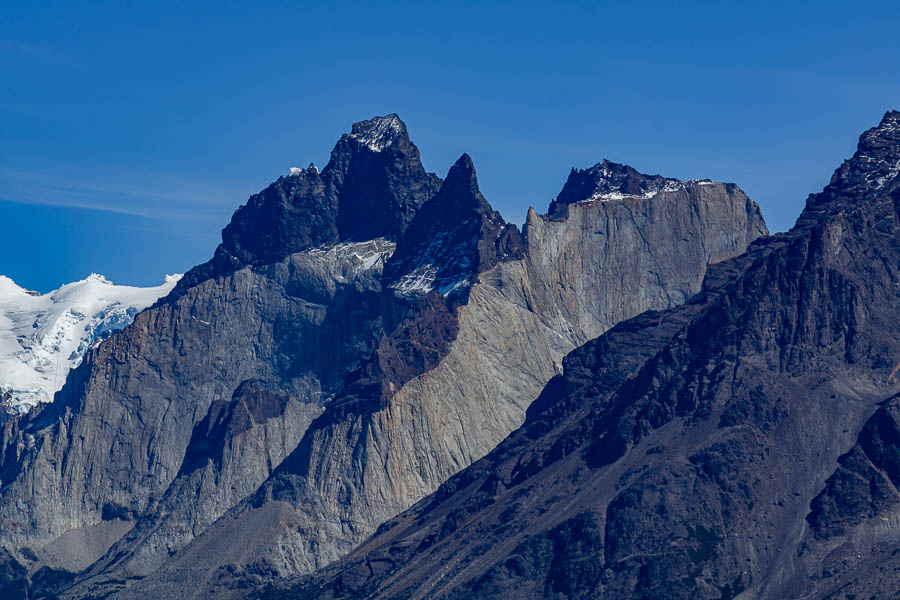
x,y
361,334
297,315
363,461
743,445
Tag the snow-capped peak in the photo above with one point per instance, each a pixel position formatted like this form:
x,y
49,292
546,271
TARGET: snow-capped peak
x,y
379,133
877,154
44,336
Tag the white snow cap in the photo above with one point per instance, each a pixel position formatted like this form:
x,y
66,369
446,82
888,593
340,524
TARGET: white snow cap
x,y
44,336
379,133
610,175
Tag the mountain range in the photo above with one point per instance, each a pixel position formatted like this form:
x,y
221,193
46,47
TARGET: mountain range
x,y
377,387
745,444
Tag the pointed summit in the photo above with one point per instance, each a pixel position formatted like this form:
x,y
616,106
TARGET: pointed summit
x,y
371,188
873,167
461,185
455,236
379,133
463,167
376,172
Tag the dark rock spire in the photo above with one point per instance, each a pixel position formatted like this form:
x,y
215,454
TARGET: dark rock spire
x,y
372,187
455,236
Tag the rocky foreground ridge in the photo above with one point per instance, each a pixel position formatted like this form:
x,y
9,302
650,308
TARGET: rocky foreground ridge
x,y
362,333
743,445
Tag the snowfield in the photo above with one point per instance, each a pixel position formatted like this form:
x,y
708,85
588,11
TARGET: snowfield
x,y
43,337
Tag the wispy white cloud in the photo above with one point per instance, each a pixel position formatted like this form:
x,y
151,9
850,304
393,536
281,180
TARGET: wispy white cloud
x,y
37,52
129,192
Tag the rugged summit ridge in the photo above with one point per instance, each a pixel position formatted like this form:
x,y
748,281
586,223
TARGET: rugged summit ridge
x,y
742,444
289,395
610,181
379,133
371,188
875,164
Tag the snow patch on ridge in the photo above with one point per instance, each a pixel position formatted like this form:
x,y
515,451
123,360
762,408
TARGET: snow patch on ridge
x,y
351,259
379,133
425,275
881,171
312,169
424,278
670,186
44,336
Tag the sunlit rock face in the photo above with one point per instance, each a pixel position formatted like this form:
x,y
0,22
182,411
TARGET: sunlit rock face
x,y
745,444
362,333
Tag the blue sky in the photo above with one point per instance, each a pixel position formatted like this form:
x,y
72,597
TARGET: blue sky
x,y
129,133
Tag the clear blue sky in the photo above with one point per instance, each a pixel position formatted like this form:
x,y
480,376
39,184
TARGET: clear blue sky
x,y
128,134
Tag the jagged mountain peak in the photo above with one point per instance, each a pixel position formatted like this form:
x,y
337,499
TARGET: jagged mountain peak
x,y
876,162
379,133
454,236
44,336
371,188
872,170
609,180
461,185
372,141
464,164
376,175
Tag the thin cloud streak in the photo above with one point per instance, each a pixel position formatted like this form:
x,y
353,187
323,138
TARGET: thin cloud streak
x,y
162,197
36,52
76,205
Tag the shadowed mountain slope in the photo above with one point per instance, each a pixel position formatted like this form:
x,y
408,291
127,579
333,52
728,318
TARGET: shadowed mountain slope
x,y
361,334
405,422
743,445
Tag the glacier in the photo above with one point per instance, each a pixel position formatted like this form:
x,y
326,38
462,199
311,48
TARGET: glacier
x,y
44,336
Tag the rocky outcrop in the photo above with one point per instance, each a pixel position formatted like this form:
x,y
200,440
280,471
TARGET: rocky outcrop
x,y
865,485
361,335
371,188
742,445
